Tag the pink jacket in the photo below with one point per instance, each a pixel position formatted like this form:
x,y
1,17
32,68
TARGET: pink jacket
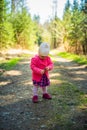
x,y
37,64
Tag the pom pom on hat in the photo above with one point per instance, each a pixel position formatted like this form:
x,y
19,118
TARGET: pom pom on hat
x,y
44,49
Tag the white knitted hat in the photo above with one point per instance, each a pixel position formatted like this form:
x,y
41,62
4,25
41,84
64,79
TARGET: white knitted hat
x,y
44,49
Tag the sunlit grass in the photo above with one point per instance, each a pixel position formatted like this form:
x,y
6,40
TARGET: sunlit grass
x,y
8,64
77,58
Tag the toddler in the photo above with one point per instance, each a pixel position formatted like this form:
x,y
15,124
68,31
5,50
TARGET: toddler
x,y
40,65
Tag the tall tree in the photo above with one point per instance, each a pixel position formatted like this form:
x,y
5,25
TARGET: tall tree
x,y
66,10
84,6
75,5
67,6
24,29
6,30
83,25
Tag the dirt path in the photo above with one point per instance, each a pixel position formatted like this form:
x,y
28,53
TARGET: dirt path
x,y
17,112
74,72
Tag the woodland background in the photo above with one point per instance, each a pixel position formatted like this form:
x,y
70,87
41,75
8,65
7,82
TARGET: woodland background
x,y
18,29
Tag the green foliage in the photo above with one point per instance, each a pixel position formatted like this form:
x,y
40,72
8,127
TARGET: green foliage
x,y
16,25
46,34
67,9
74,33
83,29
75,26
75,5
56,34
74,57
7,35
83,6
38,29
7,65
46,37
24,29
6,29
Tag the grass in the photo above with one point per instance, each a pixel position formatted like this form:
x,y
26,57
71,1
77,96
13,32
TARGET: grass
x,y
77,58
8,64
68,102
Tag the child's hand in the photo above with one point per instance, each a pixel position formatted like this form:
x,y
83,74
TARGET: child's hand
x,y
47,69
42,71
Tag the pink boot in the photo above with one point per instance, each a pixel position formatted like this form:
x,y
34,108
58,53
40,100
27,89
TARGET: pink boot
x,y
35,99
47,96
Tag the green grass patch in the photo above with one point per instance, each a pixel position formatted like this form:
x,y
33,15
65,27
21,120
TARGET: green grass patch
x,y
8,64
77,58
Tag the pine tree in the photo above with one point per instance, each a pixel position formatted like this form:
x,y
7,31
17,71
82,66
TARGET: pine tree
x,y
75,5
67,10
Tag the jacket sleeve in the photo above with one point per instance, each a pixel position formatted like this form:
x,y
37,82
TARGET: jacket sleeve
x,y
34,67
50,64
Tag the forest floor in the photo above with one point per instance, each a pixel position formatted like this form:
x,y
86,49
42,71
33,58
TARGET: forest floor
x,y
66,111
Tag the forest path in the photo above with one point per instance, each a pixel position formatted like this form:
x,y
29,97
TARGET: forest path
x,y
17,112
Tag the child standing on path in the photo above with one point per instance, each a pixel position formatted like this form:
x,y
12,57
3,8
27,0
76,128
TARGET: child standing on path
x,y
40,65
